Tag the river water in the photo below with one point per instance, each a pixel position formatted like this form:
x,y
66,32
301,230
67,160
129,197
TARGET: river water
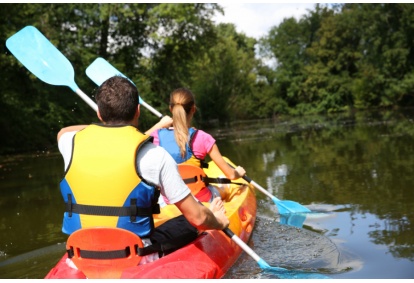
x,y
354,171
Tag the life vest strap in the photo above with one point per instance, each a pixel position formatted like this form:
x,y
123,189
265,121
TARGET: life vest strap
x,y
160,248
114,254
132,211
208,180
190,180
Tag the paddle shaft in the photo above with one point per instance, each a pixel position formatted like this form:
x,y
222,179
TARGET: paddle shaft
x,y
86,98
257,186
150,108
285,206
260,188
246,248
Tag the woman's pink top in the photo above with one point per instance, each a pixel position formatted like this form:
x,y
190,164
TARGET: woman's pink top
x,y
202,143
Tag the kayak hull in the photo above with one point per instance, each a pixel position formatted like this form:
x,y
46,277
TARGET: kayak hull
x,y
210,256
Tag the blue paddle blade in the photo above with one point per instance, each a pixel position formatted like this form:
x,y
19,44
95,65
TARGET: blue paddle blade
x,y
41,57
288,206
100,70
293,219
283,273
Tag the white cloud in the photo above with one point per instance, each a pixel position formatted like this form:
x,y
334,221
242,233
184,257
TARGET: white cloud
x,y
256,19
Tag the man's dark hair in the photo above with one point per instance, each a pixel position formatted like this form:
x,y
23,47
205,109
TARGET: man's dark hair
x,y
117,99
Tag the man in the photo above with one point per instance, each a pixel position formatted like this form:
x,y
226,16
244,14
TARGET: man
x,y
114,175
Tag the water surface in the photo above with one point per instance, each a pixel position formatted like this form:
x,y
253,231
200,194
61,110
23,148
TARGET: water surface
x,y
355,171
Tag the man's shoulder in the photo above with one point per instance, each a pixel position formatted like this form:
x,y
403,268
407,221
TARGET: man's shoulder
x,y
151,151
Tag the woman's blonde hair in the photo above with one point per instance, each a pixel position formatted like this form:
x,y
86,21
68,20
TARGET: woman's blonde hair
x,y
181,104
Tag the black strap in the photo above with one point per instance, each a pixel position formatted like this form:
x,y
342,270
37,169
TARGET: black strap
x,y
203,164
69,205
133,210
191,180
154,248
166,246
101,254
208,180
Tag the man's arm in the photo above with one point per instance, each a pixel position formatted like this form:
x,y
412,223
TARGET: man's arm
x,y
158,167
200,216
70,129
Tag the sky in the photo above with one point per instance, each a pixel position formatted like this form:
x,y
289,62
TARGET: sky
x,y
256,19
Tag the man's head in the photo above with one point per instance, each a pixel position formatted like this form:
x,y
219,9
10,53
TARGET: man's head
x,y
117,100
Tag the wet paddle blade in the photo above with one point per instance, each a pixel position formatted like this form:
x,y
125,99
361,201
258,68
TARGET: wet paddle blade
x,y
288,206
41,57
293,219
283,273
283,206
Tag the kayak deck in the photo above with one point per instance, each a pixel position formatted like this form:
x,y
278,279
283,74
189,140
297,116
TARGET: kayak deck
x,y
209,256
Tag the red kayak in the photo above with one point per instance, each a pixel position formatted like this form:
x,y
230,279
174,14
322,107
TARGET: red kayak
x,y
209,256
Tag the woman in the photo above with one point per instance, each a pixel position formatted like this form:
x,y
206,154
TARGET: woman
x,y
188,145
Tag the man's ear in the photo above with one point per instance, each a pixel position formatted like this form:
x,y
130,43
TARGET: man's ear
x,y
137,112
99,116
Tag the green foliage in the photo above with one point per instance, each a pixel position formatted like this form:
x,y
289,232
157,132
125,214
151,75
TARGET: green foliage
x,y
224,75
350,56
337,57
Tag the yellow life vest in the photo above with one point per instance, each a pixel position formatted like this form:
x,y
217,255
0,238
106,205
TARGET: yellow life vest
x,y
102,186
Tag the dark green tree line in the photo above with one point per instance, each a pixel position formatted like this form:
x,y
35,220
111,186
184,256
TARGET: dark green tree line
x,y
337,57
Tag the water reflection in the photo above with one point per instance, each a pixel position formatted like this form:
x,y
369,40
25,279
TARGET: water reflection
x,y
363,161
356,171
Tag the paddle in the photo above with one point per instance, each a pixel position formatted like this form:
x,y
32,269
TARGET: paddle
x,y
283,206
47,63
44,60
282,273
100,70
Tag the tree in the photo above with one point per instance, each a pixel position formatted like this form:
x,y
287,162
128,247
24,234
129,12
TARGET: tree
x,y
224,76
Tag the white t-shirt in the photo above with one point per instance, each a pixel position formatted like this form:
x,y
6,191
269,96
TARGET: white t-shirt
x,y
154,163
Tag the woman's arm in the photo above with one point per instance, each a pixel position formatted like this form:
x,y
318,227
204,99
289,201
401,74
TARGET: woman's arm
x,y
230,172
165,122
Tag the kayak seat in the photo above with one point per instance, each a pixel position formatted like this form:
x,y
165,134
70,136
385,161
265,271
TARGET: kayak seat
x,y
103,252
193,176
